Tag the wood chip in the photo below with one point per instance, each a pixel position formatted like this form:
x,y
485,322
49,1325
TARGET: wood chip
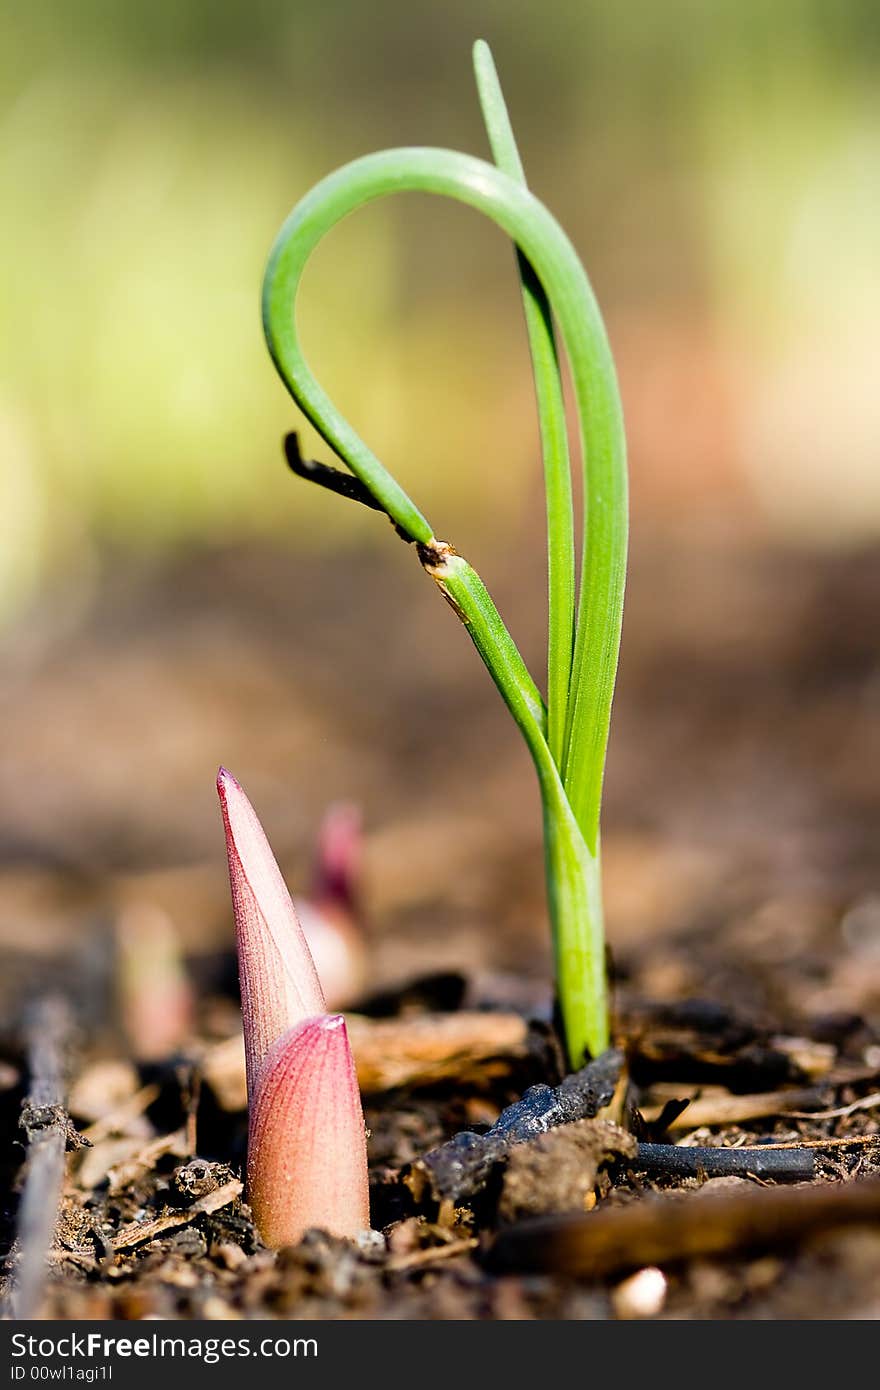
x,y
102,1086
120,1117
430,1047
418,1258
726,1109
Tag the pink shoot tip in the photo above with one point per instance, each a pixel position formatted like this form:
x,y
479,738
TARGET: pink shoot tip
x,y
279,983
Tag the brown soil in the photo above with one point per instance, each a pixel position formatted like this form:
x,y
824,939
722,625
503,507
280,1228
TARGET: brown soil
x,y
744,914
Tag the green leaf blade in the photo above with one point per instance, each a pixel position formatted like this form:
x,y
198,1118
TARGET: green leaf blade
x,y
552,422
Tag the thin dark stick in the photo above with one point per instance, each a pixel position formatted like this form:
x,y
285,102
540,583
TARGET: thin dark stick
x,y
460,1168
674,1161
49,1130
334,479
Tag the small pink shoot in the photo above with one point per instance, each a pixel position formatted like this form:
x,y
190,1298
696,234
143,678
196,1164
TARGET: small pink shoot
x,y
279,983
307,1164
332,918
338,859
307,1159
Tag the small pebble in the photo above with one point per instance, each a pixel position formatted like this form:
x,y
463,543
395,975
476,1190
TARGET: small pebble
x,y
642,1295
726,1183
197,1178
230,1255
371,1243
216,1310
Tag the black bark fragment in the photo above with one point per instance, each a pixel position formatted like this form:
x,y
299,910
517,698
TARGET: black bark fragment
x,y
461,1167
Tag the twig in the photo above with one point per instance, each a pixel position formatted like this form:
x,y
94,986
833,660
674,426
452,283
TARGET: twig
x,y
767,1161
847,1141
49,1133
866,1103
665,1230
785,1161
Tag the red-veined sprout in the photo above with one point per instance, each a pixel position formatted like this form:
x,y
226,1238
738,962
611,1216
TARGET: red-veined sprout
x,y
306,1142
306,1148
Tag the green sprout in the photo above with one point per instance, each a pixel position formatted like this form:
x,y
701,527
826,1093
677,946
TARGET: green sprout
x,y
568,736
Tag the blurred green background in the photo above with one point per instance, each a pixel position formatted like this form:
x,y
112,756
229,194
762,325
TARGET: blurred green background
x,y
715,163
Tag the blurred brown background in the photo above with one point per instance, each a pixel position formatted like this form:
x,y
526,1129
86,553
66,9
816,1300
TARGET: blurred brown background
x,y
171,598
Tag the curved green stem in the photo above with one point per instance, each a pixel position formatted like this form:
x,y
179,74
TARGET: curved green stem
x,y
570,765
547,248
